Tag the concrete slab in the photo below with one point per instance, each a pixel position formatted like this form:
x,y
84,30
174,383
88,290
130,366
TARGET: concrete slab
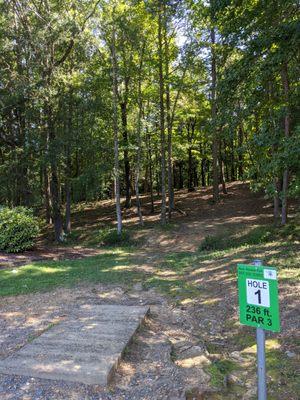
x,y
85,348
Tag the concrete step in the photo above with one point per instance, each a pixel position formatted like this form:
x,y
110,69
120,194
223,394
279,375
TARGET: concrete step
x,y
85,348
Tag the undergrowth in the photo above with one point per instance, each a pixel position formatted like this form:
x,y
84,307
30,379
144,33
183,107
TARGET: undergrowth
x,y
256,236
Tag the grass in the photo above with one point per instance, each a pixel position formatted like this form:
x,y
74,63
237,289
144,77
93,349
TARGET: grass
x,y
178,274
174,277
111,267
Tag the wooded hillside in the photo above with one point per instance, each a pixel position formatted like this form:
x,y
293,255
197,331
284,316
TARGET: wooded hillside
x,y
103,99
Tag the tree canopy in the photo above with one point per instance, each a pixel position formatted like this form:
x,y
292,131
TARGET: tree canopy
x,y
102,99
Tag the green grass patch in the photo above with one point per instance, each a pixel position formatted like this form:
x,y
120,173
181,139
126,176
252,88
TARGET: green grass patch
x,y
115,267
172,287
219,369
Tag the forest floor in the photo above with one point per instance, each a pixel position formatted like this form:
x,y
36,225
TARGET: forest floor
x,y
192,345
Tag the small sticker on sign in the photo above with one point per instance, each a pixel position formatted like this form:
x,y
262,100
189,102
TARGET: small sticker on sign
x,y
270,274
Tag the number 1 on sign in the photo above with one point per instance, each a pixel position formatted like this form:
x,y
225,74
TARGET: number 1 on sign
x,y
259,296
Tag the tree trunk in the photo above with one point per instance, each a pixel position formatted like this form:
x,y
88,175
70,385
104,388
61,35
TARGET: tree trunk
x,y
169,119
162,118
54,183
232,161
47,195
68,192
285,181
203,171
214,117
123,106
221,168
149,154
224,190
116,133
139,133
68,209
190,171
240,157
55,198
276,200
68,170
180,165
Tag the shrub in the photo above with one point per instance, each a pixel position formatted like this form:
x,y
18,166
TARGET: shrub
x,y
110,237
18,229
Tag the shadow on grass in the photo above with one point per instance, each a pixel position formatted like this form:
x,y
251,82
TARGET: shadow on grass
x,y
41,276
257,235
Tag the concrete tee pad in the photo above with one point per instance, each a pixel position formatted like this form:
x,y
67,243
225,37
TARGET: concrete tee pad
x,y
85,348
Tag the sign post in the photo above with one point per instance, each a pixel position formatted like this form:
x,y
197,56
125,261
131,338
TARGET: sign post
x,y
261,356
258,301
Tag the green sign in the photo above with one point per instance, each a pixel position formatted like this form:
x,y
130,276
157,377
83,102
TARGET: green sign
x,y
258,297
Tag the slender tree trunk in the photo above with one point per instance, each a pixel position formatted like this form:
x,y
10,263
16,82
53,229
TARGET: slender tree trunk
x,y
287,118
139,133
232,161
149,153
180,166
276,200
68,192
68,167
157,171
54,184
126,153
171,200
203,168
45,175
276,180
190,171
47,195
224,190
195,174
191,168
116,133
214,117
162,118
240,157
221,168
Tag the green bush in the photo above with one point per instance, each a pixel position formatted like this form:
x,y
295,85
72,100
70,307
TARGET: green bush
x,y
110,237
18,229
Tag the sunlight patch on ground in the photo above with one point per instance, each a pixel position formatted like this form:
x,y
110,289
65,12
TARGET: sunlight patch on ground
x,y
271,344
197,361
